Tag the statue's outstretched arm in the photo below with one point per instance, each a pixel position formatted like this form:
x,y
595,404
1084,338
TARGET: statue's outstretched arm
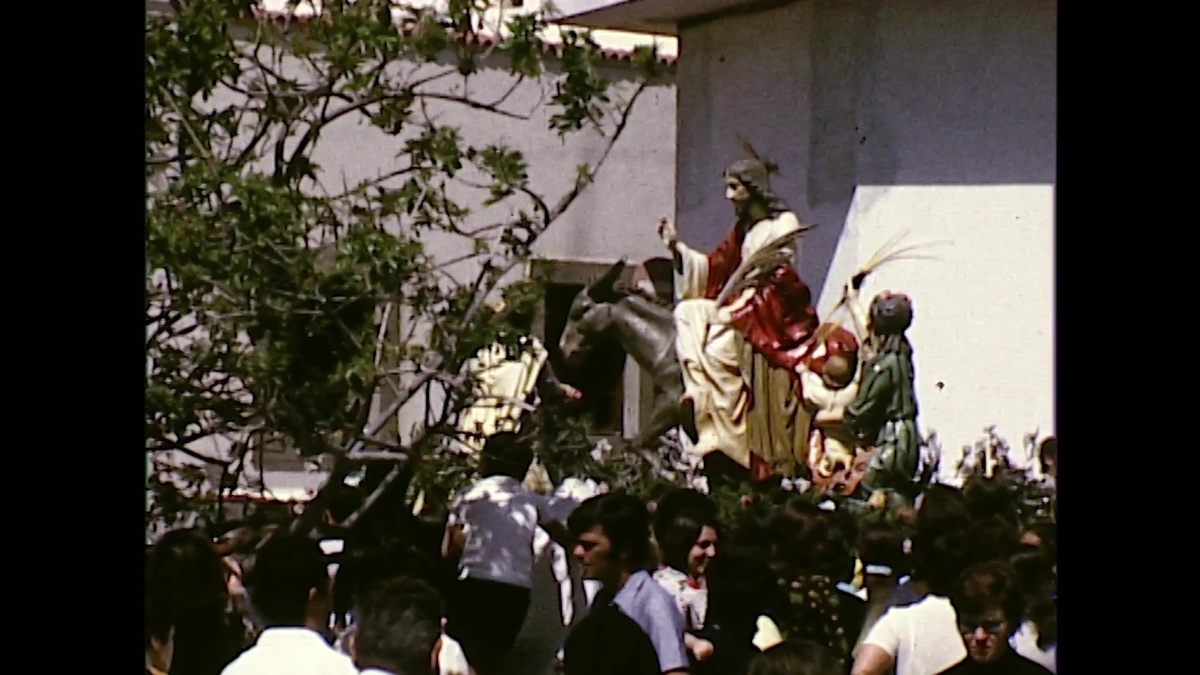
x,y
548,384
859,318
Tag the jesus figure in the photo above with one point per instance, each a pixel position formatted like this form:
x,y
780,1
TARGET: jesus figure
x,y
740,359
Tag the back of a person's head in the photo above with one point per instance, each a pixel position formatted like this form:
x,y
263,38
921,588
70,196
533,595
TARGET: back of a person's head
x,y
625,522
881,549
1048,451
185,573
938,560
399,624
505,454
992,538
185,580
796,657
943,509
990,497
804,541
987,586
607,642
285,571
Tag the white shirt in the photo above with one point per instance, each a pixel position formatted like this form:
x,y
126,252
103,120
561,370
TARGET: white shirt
x,y
452,660
1024,643
291,651
923,638
500,518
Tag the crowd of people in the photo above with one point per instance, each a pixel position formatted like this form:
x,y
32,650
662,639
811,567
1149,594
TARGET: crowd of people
x,y
961,585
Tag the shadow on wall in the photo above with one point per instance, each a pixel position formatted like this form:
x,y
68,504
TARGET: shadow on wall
x,y
846,93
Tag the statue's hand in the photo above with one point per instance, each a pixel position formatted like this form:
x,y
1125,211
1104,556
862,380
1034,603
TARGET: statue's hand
x,y
667,233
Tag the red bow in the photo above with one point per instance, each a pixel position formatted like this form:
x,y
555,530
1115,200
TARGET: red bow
x,y
693,583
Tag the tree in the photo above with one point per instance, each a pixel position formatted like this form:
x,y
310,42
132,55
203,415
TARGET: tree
x,y
269,283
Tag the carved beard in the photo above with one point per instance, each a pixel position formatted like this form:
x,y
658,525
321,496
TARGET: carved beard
x,y
742,210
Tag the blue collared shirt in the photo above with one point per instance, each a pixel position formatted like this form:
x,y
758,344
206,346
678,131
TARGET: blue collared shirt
x,y
653,608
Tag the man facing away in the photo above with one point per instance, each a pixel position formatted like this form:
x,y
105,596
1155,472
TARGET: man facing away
x,y
490,532
399,629
612,533
292,593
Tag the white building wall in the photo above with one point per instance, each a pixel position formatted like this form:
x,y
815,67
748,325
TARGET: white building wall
x,y
931,116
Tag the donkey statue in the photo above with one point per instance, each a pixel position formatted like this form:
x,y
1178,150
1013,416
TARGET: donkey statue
x,y
645,329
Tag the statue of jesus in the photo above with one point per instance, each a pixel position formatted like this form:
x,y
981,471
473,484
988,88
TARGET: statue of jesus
x,y
739,360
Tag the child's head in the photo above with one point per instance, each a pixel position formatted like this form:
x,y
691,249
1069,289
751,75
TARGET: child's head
x,y
838,372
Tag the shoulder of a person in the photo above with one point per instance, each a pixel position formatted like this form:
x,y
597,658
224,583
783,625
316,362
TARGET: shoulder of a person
x,y
786,220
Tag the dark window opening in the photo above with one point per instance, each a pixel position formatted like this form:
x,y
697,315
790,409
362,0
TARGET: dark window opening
x,y
600,377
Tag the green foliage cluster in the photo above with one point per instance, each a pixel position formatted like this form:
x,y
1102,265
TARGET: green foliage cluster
x,y
266,283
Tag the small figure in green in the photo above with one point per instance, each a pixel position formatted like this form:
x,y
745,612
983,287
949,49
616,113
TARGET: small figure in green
x,y
884,414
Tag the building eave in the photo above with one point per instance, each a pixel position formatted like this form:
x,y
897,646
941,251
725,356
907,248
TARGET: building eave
x,y
658,17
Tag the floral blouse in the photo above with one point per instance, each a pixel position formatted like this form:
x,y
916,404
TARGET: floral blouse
x,y
818,611
691,595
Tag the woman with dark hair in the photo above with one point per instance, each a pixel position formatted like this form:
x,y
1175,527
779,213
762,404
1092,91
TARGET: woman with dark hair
x,y
884,414
1037,637
687,540
742,585
809,556
186,579
989,603
941,509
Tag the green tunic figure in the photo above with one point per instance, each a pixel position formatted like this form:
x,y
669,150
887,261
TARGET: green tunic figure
x,y
884,414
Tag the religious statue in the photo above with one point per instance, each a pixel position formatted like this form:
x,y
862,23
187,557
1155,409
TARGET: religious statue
x,y
884,412
836,459
739,347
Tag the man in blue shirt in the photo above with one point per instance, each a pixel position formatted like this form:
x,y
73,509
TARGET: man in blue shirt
x,y
612,533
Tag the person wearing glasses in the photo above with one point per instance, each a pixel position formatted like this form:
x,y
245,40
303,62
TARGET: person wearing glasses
x,y
989,605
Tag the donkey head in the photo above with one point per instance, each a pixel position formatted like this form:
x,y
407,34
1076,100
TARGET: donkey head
x,y
589,317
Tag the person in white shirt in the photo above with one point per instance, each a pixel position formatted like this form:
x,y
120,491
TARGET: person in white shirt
x,y
923,638
490,532
291,594
399,630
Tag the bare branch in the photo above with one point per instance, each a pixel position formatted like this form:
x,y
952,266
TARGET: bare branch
x,y
471,103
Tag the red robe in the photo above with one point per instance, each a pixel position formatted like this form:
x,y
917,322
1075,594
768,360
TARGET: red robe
x,y
779,320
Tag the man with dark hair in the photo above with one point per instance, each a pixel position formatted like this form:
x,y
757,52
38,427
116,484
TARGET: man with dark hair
x,y
921,638
399,629
612,533
292,595
989,606
490,533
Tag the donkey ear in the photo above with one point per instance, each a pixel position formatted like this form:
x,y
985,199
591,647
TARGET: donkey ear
x,y
602,288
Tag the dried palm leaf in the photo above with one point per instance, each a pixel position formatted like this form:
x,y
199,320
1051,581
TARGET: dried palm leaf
x,y
764,260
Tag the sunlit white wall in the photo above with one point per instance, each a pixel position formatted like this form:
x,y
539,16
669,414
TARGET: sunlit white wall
x,y
983,324
935,116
